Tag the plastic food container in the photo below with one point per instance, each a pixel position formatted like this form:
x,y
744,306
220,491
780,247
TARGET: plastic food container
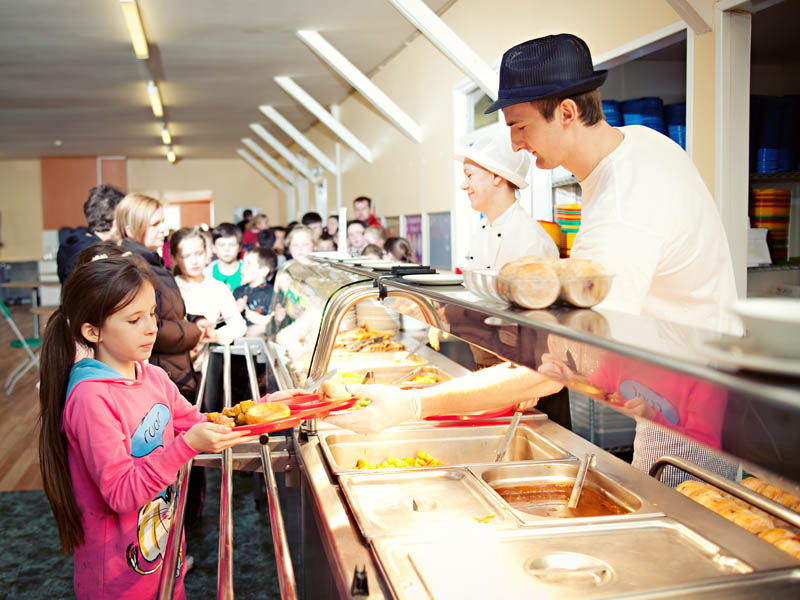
x,y
538,282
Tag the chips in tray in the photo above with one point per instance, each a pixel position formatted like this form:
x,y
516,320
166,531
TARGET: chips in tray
x,y
422,459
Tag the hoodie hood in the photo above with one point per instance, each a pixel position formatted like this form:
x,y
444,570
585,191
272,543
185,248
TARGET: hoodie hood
x,y
94,370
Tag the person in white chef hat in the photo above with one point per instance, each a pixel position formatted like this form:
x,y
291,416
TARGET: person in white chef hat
x,y
493,176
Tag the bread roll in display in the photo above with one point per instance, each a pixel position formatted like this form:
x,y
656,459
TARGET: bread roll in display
x,y
584,282
742,514
529,285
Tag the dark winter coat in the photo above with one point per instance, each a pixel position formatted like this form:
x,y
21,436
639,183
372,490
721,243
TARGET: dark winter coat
x,y
70,243
176,336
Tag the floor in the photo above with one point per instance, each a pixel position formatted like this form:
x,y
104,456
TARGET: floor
x,y
19,461
31,565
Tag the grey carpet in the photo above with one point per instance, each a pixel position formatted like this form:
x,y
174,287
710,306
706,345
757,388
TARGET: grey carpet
x,y
31,565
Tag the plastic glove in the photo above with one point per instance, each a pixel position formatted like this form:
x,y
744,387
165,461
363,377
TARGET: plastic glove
x,y
390,406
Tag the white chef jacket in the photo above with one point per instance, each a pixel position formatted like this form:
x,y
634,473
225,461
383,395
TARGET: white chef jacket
x,y
513,234
647,216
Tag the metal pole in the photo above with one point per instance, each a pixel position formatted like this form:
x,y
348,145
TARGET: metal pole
x,y
283,559
168,566
225,547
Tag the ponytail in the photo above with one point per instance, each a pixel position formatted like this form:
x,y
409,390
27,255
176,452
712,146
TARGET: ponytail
x,y
100,285
58,355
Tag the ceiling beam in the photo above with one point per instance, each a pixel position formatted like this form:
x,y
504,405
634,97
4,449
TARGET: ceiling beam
x,y
263,170
362,83
449,44
271,162
697,14
282,150
295,91
298,137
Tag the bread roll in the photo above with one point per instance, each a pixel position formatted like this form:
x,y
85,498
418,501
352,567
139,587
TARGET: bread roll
x,y
584,282
529,285
690,486
751,520
790,545
773,492
753,483
335,390
774,535
264,412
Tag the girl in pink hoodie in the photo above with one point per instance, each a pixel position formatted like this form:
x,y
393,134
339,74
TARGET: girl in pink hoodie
x,y
114,431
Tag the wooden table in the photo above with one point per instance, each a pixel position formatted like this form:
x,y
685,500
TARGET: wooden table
x,y
34,287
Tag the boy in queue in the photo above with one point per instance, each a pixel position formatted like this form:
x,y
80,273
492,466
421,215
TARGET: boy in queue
x,y
254,296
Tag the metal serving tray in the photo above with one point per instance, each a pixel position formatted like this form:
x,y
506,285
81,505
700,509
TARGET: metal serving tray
x,y
387,375
454,446
497,476
602,561
429,502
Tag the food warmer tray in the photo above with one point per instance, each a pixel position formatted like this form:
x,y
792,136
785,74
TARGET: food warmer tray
x,y
640,558
429,502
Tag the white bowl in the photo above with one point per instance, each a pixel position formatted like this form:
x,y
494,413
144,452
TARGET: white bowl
x,y
773,323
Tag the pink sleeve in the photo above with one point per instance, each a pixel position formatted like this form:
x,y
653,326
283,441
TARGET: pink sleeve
x,y
126,483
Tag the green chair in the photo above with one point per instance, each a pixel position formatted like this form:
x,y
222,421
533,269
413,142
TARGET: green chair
x,y
28,344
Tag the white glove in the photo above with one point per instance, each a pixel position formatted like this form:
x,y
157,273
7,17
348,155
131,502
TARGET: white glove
x,y
390,406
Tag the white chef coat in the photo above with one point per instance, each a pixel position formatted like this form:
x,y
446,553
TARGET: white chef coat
x,y
513,234
649,219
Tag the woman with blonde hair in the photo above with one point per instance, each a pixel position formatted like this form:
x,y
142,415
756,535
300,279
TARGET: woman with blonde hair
x,y
140,222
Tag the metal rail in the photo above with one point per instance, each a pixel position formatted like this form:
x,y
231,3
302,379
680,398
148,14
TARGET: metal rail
x,y
757,500
225,546
166,588
280,543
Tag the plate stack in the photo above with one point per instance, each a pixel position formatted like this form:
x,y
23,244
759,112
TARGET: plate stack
x,y
376,315
769,209
645,111
676,122
568,216
612,113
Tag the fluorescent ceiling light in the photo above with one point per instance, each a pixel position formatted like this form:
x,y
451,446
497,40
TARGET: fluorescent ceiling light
x,y
155,99
134,22
165,135
170,154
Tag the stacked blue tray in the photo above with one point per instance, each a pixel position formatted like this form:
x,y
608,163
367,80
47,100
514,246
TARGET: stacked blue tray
x,y
644,111
612,113
774,134
676,122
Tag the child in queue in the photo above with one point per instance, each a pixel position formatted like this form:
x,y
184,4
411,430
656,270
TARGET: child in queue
x,y
255,294
114,431
207,299
227,267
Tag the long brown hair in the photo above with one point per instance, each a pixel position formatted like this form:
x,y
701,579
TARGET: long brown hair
x,y
177,238
96,289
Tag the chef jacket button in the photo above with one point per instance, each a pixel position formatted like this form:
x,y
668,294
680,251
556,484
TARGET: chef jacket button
x,y
471,258
488,266
483,226
498,235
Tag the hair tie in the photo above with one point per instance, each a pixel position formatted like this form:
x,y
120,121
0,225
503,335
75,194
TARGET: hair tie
x,y
99,257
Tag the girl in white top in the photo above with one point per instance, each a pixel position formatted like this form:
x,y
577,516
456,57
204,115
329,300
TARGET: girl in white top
x,y
493,173
205,297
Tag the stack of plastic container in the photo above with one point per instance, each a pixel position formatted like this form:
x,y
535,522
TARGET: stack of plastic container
x,y
768,134
600,424
644,111
769,209
676,122
612,113
568,216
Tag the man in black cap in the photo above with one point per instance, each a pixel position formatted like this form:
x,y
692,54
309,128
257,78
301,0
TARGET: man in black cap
x,y
646,216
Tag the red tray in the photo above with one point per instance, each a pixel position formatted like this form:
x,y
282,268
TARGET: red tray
x,y
304,408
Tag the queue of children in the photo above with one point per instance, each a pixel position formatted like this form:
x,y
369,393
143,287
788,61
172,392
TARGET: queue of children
x,y
118,408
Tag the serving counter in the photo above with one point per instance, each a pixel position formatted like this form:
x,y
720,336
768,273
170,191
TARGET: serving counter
x,y
450,531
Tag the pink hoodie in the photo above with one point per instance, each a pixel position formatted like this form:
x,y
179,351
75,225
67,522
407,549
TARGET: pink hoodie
x,y
125,447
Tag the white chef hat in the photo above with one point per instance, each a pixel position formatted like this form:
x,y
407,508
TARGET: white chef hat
x,y
490,147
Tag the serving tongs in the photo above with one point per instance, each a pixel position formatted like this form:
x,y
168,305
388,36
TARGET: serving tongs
x,y
506,442
580,479
312,384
